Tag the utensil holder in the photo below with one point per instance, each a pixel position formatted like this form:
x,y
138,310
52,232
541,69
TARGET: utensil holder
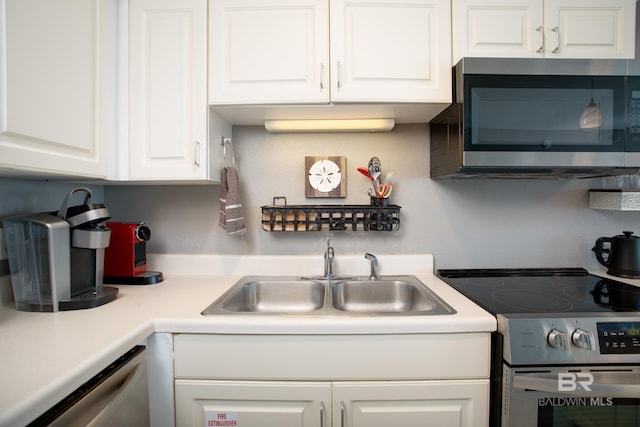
x,y
379,201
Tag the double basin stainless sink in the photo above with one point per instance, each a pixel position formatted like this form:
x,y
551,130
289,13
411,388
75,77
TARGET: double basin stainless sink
x,y
286,295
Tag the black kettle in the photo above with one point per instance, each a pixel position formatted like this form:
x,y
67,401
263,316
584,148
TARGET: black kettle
x,y
620,254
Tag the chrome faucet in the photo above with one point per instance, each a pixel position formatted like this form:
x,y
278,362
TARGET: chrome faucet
x,y
374,266
328,260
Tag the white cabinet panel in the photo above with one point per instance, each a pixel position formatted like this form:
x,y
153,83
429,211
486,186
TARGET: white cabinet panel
x,y
167,83
590,28
390,50
277,52
264,52
495,28
289,355
411,403
461,403
544,28
57,86
253,403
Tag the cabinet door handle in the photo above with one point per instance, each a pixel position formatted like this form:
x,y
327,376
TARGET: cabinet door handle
x,y
321,414
322,75
342,413
541,32
557,31
196,154
339,69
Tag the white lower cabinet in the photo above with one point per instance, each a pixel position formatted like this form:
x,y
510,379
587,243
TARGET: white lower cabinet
x,y
442,403
252,403
406,380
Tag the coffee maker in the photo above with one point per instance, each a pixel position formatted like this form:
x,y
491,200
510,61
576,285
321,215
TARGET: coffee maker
x,y
126,257
56,259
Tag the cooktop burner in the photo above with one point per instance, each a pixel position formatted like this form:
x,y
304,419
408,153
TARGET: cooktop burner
x,y
565,290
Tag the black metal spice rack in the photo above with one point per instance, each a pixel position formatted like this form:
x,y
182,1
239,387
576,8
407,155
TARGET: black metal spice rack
x,y
330,218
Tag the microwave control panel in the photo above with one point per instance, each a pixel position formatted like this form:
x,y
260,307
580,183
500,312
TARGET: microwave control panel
x,y
619,337
634,117
633,113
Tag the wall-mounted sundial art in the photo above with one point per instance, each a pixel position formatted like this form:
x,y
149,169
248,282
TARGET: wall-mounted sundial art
x,y
325,176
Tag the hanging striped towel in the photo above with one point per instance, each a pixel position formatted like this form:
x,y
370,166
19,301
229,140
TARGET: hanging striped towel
x,y
223,198
234,215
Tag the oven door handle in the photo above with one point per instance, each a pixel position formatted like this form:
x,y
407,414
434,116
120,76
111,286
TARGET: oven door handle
x,y
625,387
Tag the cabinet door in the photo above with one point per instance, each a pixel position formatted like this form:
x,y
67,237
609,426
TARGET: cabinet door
x,y
268,52
390,50
497,28
590,28
252,404
411,403
57,86
167,89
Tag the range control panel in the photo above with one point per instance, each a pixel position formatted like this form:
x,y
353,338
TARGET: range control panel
x,y
547,339
619,337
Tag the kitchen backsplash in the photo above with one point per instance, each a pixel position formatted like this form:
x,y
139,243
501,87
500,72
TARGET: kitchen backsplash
x,y
477,223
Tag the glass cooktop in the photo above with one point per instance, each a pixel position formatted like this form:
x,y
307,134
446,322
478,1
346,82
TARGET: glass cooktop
x,y
564,290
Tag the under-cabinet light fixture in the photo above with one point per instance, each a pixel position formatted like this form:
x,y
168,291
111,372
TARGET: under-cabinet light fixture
x,y
329,125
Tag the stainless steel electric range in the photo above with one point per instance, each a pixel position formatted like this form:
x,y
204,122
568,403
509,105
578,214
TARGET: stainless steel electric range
x,y
567,348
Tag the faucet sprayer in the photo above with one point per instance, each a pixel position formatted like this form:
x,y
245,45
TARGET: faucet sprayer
x,y
374,265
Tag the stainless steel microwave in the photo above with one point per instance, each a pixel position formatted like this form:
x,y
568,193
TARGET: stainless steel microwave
x,y
539,118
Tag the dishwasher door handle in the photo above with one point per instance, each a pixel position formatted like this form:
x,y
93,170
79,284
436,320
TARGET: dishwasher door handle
x,y
119,395
119,406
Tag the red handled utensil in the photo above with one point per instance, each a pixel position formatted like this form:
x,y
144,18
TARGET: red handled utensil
x,y
365,172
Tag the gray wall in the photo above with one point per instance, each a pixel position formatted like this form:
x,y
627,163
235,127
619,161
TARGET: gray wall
x,y
472,223
28,196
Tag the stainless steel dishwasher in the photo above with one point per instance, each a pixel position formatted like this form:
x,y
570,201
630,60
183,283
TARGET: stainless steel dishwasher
x,y
117,396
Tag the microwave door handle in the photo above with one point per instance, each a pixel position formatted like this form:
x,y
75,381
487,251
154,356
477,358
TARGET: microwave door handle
x,y
550,385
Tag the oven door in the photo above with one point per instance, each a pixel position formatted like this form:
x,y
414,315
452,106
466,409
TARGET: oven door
x,y
576,397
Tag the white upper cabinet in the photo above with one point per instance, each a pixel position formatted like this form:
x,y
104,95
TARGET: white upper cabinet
x,y
268,51
390,51
497,28
544,28
590,28
168,110
57,86
321,51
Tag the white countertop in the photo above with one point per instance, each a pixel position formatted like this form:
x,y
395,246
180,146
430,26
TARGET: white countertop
x,y
45,356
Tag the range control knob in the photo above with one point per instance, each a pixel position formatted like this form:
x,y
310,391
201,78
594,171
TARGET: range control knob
x,y
558,340
583,339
